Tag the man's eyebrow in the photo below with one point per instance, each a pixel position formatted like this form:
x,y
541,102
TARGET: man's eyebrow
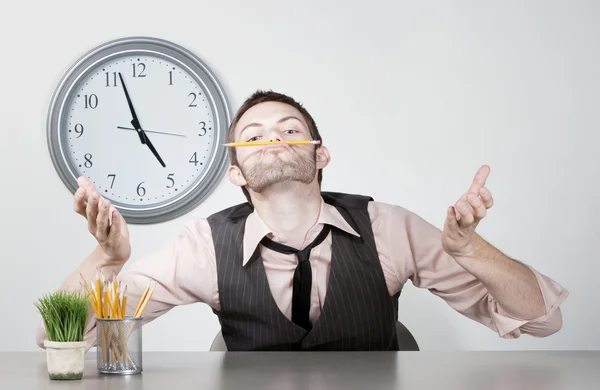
x,y
248,126
285,118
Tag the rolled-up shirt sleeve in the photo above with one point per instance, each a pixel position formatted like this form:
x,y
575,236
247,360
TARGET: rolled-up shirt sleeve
x,y
410,248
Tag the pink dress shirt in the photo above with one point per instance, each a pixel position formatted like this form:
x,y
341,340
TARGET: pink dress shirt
x,y
409,249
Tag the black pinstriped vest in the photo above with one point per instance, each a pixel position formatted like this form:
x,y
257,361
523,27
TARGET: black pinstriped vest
x,y
358,313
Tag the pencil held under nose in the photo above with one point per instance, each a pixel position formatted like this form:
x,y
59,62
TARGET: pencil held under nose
x,y
257,143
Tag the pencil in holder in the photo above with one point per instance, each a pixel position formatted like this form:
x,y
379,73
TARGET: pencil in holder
x,y
119,345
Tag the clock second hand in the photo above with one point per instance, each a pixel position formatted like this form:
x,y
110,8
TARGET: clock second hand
x,y
150,131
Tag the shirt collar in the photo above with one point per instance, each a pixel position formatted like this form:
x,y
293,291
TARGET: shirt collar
x,y
256,228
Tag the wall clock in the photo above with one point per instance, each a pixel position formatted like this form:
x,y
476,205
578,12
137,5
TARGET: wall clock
x,y
145,120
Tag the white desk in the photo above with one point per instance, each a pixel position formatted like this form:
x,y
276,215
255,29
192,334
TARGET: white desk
x,y
324,370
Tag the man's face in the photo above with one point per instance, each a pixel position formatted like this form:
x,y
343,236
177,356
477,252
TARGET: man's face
x,y
264,166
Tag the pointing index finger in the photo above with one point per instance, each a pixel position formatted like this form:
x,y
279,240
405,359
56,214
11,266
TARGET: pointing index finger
x,y
480,178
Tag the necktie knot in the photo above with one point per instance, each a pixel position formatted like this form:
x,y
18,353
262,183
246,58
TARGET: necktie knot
x,y
302,254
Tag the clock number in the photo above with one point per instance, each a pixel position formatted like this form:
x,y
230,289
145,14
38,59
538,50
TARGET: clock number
x,y
141,191
88,160
194,159
203,129
114,78
171,180
79,129
193,104
91,101
143,66
113,176
170,77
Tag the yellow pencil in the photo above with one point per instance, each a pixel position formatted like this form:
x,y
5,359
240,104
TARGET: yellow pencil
x,y
145,299
303,142
141,301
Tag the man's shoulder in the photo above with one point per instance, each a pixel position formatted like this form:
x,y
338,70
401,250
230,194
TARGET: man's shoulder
x,y
377,209
199,230
198,225
396,217
231,214
383,207
345,199
383,212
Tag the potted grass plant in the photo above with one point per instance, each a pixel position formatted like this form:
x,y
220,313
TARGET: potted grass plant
x,y
65,316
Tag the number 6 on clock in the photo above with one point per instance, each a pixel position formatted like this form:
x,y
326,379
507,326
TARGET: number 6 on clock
x,y
179,105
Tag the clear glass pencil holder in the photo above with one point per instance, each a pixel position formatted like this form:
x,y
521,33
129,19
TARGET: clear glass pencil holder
x,y
119,345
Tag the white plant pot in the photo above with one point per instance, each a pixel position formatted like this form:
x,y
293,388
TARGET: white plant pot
x,y
65,360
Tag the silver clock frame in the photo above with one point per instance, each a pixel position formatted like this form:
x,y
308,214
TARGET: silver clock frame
x,y
216,166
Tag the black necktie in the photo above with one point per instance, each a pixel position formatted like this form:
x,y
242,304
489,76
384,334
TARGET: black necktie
x,y
302,277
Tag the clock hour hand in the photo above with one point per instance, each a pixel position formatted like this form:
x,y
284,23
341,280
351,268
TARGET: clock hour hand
x,y
145,140
139,130
149,144
135,122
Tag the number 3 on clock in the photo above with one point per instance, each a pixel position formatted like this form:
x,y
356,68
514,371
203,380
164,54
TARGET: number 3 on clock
x,y
125,105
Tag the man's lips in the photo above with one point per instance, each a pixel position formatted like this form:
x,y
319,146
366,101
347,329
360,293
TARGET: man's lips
x,y
266,149
276,146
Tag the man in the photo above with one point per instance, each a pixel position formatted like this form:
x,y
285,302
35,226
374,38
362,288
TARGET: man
x,y
341,292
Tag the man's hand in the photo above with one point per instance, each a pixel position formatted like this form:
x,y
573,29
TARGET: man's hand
x,y
513,285
459,238
105,223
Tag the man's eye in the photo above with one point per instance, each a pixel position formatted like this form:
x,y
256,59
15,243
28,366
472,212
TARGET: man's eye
x,y
255,138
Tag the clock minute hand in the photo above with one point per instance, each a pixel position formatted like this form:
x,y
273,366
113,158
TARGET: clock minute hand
x,y
135,122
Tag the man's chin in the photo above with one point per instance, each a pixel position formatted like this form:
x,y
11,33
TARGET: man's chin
x,y
276,171
277,184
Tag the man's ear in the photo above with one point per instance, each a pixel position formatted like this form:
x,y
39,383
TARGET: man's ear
x,y
235,176
323,157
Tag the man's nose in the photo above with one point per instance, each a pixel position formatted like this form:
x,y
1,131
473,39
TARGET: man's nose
x,y
274,135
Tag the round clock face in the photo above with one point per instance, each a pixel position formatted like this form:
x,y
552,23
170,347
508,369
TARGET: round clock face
x,y
145,121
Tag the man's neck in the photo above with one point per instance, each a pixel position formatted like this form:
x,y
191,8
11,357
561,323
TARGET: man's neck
x,y
290,209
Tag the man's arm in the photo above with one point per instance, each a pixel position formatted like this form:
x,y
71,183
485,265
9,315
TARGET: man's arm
x,y
513,285
410,249
184,269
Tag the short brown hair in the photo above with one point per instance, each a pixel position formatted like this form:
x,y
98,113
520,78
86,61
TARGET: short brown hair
x,y
261,96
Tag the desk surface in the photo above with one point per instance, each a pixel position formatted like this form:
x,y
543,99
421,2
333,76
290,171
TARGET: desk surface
x,y
325,370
